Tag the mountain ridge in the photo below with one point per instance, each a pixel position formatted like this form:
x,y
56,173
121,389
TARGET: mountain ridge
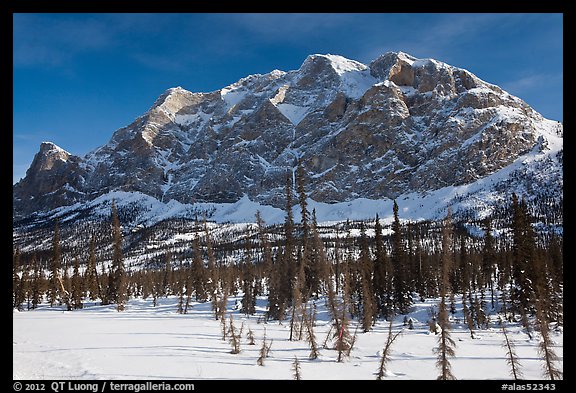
x,y
397,126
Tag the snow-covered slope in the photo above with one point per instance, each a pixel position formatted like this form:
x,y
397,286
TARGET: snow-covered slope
x,y
100,343
418,130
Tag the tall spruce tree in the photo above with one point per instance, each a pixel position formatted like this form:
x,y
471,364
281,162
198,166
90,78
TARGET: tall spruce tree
x,y
305,214
319,259
382,273
167,277
248,281
546,346
16,279
91,275
37,287
402,292
180,279
365,269
77,286
105,285
446,344
66,287
523,252
54,284
215,281
489,259
198,272
288,281
26,286
289,241
265,247
118,279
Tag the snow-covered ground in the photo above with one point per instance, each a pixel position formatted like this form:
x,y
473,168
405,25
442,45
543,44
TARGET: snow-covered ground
x,y
146,342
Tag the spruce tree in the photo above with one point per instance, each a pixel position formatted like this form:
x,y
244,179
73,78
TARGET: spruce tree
x,y
214,282
198,272
167,277
366,268
23,294
523,272
66,287
382,274
54,284
296,369
546,346
320,264
386,352
309,320
234,337
15,278
467,316
248,297
105,285
276,299
188,280
118,280
264,350
511,357
77,286
341,332
180,284
310,285
297,284
264,245
289,242
91,275
250,337
446,344
37,283
302,201
27,290
488,259
402,293
292,285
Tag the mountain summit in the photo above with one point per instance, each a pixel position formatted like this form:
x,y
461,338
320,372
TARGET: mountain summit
x,y
397,126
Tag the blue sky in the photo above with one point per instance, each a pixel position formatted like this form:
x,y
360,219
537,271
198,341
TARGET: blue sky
x,y
79,77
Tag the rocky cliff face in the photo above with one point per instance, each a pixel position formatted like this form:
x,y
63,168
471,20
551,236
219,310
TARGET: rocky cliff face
x,y
396,126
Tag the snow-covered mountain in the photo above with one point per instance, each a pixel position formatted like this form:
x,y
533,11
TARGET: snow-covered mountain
x,y
418,130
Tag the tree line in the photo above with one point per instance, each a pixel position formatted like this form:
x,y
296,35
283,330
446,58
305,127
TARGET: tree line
x,y
364,278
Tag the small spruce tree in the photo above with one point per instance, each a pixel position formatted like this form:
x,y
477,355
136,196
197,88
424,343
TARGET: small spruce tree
x,y
386,352
296,369
511,357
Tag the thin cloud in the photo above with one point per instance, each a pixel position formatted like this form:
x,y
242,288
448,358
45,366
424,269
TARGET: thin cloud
x,y
53,41
531,82
56,39
437,36
288,27
32,137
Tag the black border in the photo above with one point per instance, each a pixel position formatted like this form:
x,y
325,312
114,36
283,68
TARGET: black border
x,y
9,7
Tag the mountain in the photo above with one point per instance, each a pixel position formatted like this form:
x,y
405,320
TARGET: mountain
x,y
400,127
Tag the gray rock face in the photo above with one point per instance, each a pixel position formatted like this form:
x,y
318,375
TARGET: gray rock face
x,y
399,125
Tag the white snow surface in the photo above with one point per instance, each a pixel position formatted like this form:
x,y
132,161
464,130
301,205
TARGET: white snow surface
x,y
233,94
294,113
55,148
343,65
355,76
146,342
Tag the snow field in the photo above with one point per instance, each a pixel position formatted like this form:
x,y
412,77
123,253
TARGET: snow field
x,y
146,342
